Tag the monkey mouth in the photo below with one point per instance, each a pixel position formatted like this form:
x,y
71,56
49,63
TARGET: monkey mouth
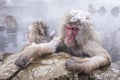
x,y
70,37
69,41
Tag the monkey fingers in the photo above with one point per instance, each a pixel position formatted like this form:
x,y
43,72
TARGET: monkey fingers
x,y
77,66
23,61
72,65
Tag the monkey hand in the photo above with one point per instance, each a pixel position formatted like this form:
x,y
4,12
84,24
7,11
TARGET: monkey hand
x,y
74,64
23,61
79,65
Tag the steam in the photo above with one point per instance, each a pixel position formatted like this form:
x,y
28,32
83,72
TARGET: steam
x,y
105,14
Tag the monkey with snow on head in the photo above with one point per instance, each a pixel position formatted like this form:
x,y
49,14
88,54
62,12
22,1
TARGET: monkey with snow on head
x,y
76,36
79,36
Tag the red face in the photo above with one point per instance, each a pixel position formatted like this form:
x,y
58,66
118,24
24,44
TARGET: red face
x,y
71,32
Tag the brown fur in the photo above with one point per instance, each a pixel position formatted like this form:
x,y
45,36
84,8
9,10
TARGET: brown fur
x,y
38,33
10,21
11,24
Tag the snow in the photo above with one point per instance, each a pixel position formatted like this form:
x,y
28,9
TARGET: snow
x,y
79,15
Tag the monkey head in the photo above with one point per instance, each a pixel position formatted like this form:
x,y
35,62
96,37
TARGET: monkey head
x,y
39,27
77,28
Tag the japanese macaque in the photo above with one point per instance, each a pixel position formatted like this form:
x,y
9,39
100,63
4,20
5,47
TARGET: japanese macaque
x,y
77,37
11,24
38,33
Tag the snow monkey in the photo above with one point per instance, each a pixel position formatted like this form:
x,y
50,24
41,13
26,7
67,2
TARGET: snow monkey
x,y
38,33
76,36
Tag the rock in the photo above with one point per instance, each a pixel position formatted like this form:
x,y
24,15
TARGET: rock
x,y
7,67
49,67
4,55
52,67
116,65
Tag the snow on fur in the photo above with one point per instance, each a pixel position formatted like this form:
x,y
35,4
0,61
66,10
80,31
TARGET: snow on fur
x,y
79,15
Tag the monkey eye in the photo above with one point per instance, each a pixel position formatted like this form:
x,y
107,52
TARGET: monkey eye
x,y
67,27
75,29
72,28
72,23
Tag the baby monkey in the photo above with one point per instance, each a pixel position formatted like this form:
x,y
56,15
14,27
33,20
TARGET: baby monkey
x,y
38,33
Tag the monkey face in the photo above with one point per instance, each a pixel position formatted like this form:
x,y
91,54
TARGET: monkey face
x,y
71,30
77,25
40,28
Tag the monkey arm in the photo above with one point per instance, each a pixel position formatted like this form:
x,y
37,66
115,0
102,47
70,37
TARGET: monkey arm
x,y
35,50
99,58
49,47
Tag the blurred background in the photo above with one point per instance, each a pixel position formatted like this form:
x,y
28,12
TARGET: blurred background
x,y
17,15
